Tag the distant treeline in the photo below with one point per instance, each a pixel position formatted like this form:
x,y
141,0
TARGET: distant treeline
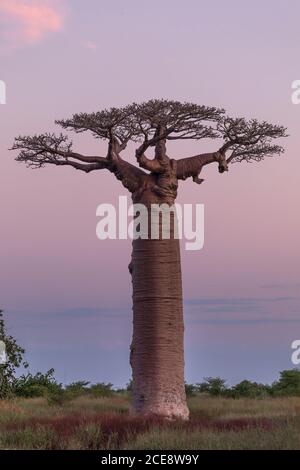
x,y
46,385
287,385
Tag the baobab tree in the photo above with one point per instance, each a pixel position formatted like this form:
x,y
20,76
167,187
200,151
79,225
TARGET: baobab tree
x,y
156,352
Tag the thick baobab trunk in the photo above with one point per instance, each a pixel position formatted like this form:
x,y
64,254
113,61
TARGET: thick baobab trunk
x,y
157,351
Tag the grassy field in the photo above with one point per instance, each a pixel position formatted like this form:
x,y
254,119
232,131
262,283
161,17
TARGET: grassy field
x,y
105,423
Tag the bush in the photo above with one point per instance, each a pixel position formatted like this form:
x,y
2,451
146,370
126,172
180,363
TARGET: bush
x,y
288,383
213,386
76,389
38,385
101,390
248,389
58,397
190,390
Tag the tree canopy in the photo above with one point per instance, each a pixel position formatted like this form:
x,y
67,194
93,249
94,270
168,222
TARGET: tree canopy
x,y
153,124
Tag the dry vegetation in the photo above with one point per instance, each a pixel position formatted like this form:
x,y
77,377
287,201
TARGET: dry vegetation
x,y
105,423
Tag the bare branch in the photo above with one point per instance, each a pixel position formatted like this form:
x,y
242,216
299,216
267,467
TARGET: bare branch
x,y
249,140
44,149
192,166
80,166
152,165
179,120
39,150
114,123
157,121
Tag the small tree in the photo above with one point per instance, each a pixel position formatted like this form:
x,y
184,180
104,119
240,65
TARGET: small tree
x,y
14,359
288,383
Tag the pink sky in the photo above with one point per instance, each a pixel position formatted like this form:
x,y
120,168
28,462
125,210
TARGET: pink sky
x,y
62,57
27,22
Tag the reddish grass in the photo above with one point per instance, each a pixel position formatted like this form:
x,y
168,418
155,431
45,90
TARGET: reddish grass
x,y
123,428
234,424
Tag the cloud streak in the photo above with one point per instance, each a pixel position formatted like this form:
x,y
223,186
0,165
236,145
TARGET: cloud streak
x,y
26,22
243,310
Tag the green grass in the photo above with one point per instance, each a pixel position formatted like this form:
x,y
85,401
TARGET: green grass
x,y
105,423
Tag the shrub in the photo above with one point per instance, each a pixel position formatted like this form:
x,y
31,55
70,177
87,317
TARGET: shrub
x,y
101,390
190,390
212,386
14,354
249,389
58,397
288,383
76,389
37,385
